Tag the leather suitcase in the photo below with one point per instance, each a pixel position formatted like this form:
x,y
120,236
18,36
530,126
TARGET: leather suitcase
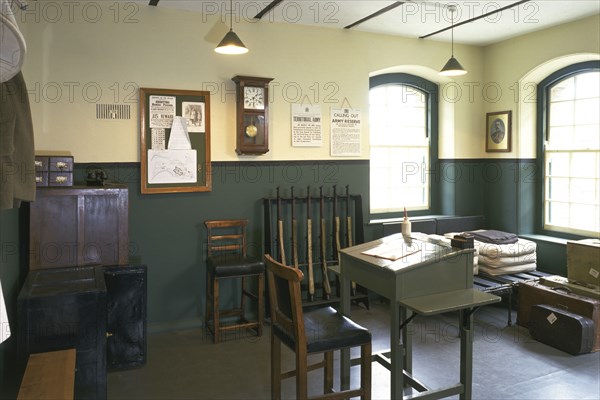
x,y
580,288
532,293
561,329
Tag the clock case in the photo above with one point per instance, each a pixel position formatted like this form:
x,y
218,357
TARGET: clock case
x,y
259,118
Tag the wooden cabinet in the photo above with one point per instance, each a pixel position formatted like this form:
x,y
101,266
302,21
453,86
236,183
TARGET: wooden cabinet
x,y
78,226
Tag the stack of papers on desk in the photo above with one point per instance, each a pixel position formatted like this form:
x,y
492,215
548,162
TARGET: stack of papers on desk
x,y
392,251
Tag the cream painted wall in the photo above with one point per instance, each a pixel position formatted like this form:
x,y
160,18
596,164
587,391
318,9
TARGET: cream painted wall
x,y
83,53
517,65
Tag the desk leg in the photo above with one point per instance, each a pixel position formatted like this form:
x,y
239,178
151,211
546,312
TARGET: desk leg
x,y
397,349
406,339
466,352
345,308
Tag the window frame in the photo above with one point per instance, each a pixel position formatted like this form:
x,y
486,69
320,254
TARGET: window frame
x,y
431,90
543,115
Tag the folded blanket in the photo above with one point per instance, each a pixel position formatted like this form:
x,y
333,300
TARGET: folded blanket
x,y
499,262
493,236
507,270
521,247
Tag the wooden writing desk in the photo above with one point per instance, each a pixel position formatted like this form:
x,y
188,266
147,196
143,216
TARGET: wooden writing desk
x,y
427,279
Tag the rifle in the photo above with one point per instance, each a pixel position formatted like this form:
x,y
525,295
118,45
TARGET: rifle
x,y
326,285
349,229
294,232
280,230
309,255
336,229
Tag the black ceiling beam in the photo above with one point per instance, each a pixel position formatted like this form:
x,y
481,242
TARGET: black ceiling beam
x,y
475,18
153,2
267,9
375,14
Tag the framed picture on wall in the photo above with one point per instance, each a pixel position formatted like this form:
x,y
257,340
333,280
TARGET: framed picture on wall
x,y
174,141
498,132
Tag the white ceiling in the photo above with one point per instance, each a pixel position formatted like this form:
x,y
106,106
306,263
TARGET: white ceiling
x,y
413,18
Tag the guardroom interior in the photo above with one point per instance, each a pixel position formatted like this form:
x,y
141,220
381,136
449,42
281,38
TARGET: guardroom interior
x,y
430,170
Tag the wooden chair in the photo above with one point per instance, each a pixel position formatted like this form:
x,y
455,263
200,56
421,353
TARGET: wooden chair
x,y
323,330
227,259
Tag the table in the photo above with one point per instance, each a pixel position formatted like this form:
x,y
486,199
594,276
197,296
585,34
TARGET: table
x,y
418,277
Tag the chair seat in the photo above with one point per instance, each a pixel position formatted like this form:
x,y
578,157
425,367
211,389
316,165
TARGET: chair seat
x,y
326,329
228,265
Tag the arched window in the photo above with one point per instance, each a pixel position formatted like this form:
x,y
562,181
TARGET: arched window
x,y
403,126
569,140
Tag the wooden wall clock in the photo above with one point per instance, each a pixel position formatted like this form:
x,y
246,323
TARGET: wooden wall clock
x,y
252,114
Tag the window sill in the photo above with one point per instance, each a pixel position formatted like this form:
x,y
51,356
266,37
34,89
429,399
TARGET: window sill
x,y
545,238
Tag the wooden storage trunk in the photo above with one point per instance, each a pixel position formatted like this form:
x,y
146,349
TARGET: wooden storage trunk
x,y
583,261
532,293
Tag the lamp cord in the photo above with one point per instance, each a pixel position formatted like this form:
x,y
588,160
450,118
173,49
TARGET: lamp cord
x,y
452,30
230,15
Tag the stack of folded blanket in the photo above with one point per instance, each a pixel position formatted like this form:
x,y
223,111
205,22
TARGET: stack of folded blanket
x,y
502,253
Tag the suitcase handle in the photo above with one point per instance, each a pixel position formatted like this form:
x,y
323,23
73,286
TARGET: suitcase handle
x,y
566,308
559,288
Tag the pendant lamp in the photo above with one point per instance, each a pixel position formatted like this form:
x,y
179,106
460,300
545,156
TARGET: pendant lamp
x,y
231,43
452,67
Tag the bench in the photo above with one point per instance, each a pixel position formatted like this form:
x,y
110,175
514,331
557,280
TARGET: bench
x,y
49,375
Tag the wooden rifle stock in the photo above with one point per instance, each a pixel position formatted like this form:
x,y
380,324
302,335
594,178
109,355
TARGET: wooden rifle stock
x,y
309,255
280,230
326,285
336,220
294,232
349,228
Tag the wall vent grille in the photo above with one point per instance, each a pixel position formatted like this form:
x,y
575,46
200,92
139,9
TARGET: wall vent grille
x,y
113,111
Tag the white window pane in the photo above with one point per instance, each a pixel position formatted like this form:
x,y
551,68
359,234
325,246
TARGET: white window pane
x,y
587,84
585,165
558,163
581,217
587,137
558,214
561,113
558,189
560,136
587,111
585,191
564,90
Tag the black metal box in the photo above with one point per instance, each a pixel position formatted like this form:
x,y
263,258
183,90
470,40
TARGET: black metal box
x,y
126,306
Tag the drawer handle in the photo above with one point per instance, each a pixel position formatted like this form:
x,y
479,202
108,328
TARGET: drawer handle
x,y
39,164
109,334
39,179
61,165
60,179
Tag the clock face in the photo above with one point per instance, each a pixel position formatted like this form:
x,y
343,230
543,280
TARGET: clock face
x,y
254,98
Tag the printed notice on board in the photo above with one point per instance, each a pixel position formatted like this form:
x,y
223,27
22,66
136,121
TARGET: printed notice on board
x,y
162,111
307,129
345,132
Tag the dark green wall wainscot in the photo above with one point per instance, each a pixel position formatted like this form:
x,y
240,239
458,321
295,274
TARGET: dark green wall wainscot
x,y
167,231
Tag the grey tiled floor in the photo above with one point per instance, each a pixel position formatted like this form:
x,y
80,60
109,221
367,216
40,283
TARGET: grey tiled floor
x,y
507,363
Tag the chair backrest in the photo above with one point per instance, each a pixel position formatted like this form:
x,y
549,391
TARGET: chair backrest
x,y
226,236
285,298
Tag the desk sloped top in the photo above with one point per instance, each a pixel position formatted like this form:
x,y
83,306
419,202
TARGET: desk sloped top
x,y
398,253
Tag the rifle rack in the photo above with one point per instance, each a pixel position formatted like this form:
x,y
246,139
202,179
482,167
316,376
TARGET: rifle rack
x,y
282,208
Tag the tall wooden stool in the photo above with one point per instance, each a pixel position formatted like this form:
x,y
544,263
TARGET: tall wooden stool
x,y
227,259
